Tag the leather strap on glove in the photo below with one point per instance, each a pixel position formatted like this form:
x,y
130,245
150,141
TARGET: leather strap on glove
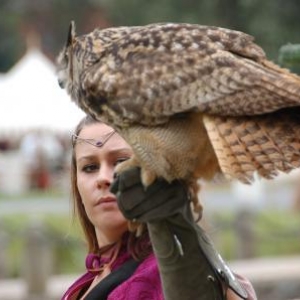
x,y
189,265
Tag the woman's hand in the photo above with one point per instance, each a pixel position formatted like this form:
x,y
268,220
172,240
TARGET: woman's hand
x,y
147,204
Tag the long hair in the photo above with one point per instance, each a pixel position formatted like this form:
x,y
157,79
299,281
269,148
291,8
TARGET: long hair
x,y
138,247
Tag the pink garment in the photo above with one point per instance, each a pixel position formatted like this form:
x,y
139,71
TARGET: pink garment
x,y
245,283
144,284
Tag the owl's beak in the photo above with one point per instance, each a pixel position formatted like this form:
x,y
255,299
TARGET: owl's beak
x,y
61,83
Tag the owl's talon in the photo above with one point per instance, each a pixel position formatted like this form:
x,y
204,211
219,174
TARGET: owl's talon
x,y
147,177
126,165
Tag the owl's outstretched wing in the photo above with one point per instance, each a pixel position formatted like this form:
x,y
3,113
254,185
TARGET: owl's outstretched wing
x,y
158,71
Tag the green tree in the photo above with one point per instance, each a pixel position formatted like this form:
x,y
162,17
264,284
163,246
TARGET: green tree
x,y
272,22
289,57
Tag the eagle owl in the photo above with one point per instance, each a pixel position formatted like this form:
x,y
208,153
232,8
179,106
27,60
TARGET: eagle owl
x,y
191,100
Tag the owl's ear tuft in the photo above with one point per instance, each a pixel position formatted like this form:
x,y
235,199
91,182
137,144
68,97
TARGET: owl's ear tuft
x,y
71,33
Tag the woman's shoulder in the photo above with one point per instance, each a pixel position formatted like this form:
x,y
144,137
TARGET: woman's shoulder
x,y
143,284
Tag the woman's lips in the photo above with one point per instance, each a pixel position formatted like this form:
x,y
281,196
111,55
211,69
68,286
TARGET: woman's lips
x,y
104,200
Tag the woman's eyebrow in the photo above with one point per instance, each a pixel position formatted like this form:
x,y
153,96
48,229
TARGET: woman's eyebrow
x,y
121,150
86,158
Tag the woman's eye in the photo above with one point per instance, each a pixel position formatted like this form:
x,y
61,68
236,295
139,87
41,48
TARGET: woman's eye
x,y
120,160
90,168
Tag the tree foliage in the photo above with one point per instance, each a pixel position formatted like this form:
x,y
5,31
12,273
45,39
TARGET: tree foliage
x,y
272,22
289,57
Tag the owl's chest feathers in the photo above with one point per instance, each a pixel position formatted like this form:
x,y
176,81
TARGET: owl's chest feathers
x,y
177,149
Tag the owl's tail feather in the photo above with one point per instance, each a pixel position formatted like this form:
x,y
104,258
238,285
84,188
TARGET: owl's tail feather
x,y
266,144
226,144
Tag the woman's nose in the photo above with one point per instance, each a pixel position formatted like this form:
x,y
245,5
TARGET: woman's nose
x,y
105,176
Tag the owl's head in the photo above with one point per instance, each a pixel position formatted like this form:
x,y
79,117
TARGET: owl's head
x,y
65,62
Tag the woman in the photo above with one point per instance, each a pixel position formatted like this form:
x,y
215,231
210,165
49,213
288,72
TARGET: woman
x,y
112,248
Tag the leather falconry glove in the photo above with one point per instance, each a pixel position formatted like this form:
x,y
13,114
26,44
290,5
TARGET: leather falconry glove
x,y
189,265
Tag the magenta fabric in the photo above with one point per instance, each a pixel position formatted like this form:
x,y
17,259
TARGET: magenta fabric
x,y
247,286
144,284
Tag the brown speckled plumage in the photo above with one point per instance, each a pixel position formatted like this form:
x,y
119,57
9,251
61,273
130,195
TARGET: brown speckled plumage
x,y
191,100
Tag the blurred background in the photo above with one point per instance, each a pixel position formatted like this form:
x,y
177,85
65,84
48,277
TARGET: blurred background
x,y
256,229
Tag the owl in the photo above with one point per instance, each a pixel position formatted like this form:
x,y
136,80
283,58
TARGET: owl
x,y
192,101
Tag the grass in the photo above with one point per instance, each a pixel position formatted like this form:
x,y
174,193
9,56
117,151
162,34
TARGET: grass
x,y
277,233
34,194
59,232
274,233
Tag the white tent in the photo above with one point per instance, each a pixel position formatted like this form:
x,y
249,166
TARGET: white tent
x,y
30,98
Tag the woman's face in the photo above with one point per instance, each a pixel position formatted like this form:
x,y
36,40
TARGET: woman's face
x,y
95,173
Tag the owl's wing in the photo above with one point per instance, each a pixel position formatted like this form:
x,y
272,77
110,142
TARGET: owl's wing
x,y
264,144
150,75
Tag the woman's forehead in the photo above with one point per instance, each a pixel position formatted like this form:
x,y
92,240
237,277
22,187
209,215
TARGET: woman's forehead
x,y
95,129
100,135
